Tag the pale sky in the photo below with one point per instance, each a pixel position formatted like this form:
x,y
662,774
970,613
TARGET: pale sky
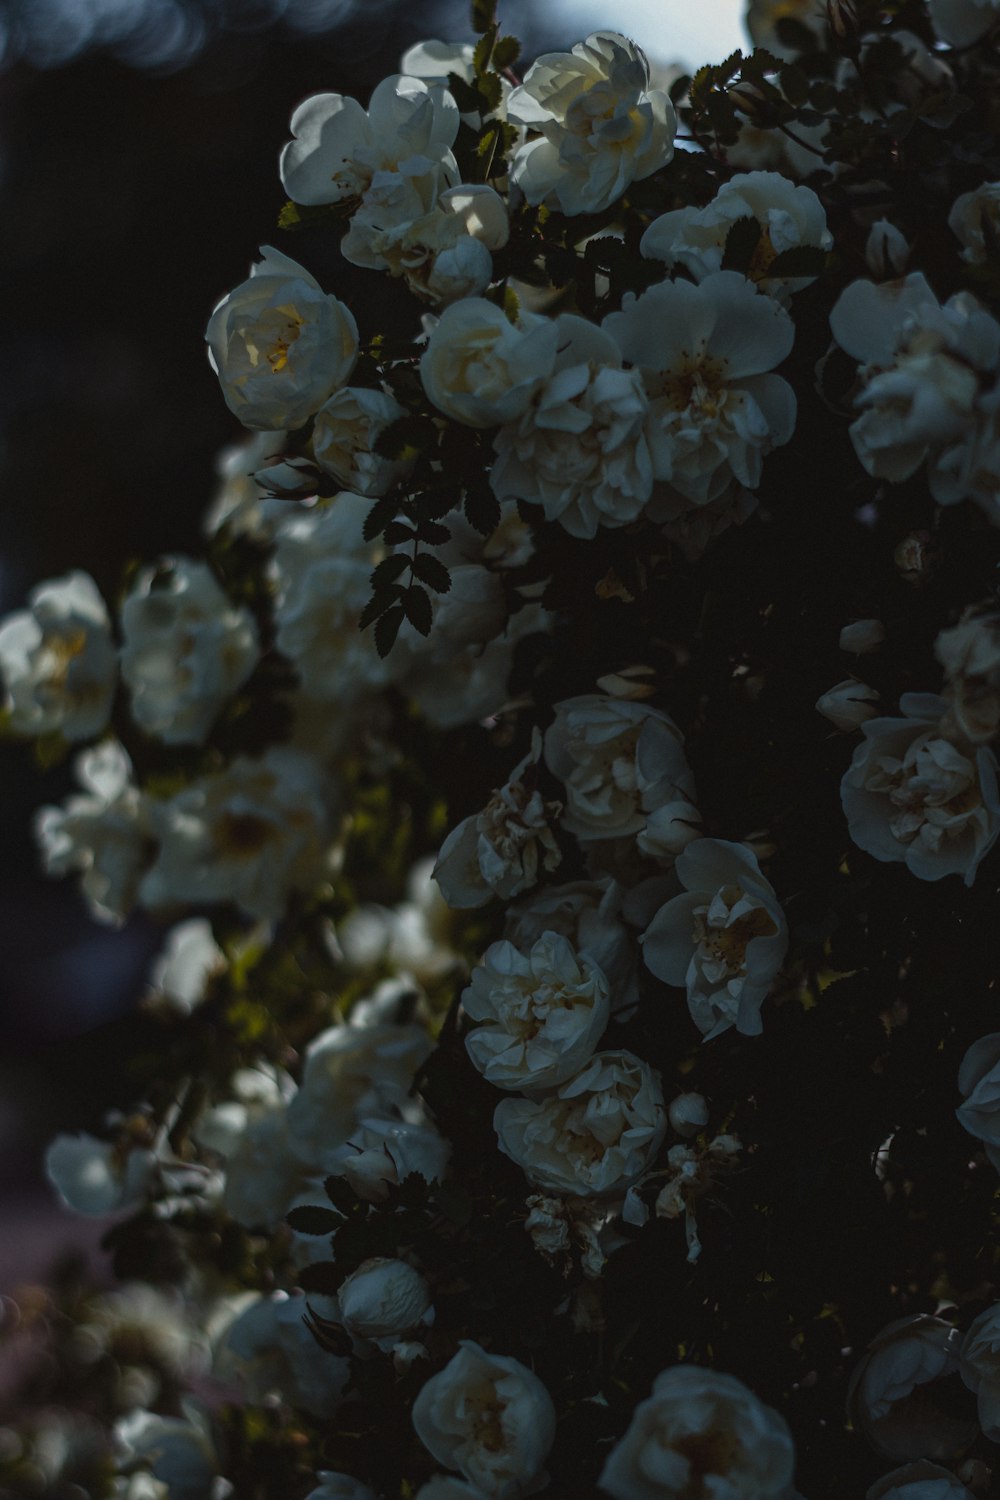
x,y
689,32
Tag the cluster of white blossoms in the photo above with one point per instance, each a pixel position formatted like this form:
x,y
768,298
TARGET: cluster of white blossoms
x,y
476,775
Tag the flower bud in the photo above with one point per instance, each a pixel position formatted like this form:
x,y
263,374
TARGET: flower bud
x,y
913,558
848,705
383,1298
688,1114
887,251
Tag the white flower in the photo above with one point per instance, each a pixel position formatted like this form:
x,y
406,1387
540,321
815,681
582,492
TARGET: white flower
x,y
601,126
186,649
541,1013
979,1084
619,761
344,436
688,1114
970,655
848,705
704,352
102,833
340,1487
979,1365
701,1433
595,1136
497,852
239,501
926,373
94,1177
580,449
383,1299
482,370
763,17
249,834
862,636
919,1481
558,1225
789,216
962,22
263,1173
338,147
490,1418
433,61
447,1487
380,1154
724,938
322,572
883,1398
915,792
887,251
587,912
190,957
269,1349
179,1451
279,345
140,1487
440,241
972,215
351,1072
57,661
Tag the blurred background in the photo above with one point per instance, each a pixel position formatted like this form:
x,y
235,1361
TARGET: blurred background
x,y
138,176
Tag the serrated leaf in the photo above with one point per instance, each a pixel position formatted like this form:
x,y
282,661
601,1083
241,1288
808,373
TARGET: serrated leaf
x,y
342,1195
309,1218
794,84
378,604
679,88
432,571
482,509
418,608
323,1277
483,49
741,242
483,14
389,570
468,99
491,90
397,533
800,260
387,629
381,513
506,52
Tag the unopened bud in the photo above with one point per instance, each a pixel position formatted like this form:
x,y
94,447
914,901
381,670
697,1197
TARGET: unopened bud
x,y
887,251
688,1114
848,705
862,636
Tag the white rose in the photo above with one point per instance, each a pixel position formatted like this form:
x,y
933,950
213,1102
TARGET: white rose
x,y
186,650
970,655
338,147
595,1136
601,126
916,793
979,1365
962,22
102,833
848,705
239,501
461,269
57,661
447,1487
279,345
351,1071
704,352
344,436
322,573
95,1178
919,1481
883,1398
481,370
440,241
489,1417
580,449
701,1432
541,1013
140,1487
969,213
179,1451
383,1299
724,938
268,1349
263,1173
619,761
340,1487
189,959
789,216
249,834
498,851
979,1084
380,1154
587,912
433,61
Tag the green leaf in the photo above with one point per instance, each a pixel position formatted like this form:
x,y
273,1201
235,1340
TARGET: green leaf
x,y
482,509
389,570
378,604
484,48
511,305
398,533
483,14
800,260
741,242
50,750
506,52
387,629
343,1196
324,1277
419,610
432,571
794,84
378,518
468,99
491,89
311,1219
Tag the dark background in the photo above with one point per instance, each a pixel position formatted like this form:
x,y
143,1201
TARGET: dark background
x,y
138,176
